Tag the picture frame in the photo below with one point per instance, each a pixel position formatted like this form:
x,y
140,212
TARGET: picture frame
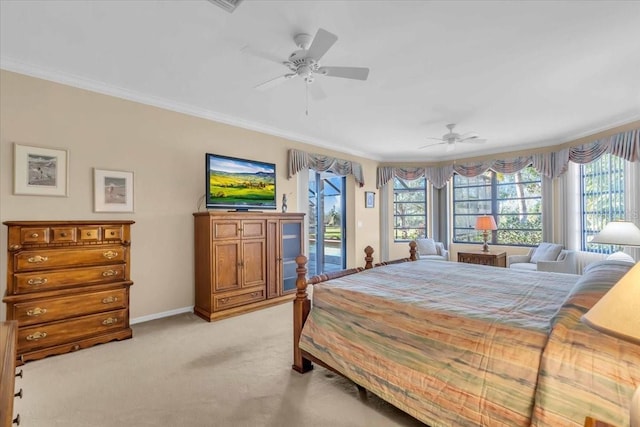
x,y
40,171
369,199
112,191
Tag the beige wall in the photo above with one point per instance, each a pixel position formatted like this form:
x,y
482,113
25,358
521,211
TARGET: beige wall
x,y
165,150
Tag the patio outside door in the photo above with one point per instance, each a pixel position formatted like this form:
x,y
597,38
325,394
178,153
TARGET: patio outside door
x,y
327,240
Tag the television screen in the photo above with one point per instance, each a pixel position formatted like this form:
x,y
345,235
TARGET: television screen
x,y
240,184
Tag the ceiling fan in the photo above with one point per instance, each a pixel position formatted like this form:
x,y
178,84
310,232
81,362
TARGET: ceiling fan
x,y
451,138
305,62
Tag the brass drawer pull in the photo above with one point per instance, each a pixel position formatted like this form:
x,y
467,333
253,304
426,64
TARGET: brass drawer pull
x,y
254,294
37,259
109,273
88,233
109,300
36,311
35,235
113,233
63,234
37,336
37,281
224,300
110,321
110,254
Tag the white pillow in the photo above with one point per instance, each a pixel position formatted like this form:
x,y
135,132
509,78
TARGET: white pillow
x,y
426,247
546,252
621,256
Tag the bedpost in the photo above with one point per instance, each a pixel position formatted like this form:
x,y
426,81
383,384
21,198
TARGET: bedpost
x,y
368,259
412,250
301,307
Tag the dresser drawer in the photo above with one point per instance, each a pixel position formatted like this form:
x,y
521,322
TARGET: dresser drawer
x,y
51,334
222,302
63,235
89,234
39,281
48,310
34,235
57,258
112,233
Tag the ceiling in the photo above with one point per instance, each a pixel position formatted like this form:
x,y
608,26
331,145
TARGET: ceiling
x,y
521,74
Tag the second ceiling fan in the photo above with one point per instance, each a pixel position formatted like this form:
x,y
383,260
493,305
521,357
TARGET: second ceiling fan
x,y
451,138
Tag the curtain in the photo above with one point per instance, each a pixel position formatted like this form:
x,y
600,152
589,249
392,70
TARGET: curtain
x,y
551,164
300,160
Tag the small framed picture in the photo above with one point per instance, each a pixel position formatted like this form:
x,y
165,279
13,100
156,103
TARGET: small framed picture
x,y
112,191
40,171
369,199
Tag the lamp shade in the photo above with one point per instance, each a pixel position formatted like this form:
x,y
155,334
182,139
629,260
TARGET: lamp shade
x,y
486,222
618,311
623,233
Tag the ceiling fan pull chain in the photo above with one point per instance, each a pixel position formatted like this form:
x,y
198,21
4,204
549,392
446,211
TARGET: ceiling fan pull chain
x,y
306,109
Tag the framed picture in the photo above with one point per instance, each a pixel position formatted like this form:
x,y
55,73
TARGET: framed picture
x,y
369,199
112,191
40,171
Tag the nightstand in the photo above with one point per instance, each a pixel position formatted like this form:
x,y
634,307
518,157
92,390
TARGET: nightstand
x,y
592,422
495,259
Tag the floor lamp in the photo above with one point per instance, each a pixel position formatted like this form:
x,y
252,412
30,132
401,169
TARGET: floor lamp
x,y
485,223
618,311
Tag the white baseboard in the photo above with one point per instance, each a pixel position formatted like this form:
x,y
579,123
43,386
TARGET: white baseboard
x,y
161,315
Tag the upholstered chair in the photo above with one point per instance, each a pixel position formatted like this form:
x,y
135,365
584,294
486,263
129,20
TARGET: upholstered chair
x,y
546,257
430,249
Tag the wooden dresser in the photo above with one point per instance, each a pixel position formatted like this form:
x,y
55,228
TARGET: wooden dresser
x,y
8,336
495,259
245,260
67,284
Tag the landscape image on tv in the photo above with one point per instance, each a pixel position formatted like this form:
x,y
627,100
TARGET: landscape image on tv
x,y
240,183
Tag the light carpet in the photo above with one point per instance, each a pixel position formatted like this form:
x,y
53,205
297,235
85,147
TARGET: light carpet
x,y
183,371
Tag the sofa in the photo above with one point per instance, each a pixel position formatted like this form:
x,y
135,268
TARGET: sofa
x,y
546,257
432,250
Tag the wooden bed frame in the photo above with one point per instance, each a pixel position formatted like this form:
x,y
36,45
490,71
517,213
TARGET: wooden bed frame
x,y
303,361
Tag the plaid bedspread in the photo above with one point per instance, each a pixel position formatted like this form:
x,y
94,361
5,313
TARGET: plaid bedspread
x,y
451,344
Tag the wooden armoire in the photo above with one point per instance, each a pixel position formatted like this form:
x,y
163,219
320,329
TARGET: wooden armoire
x,y
245,261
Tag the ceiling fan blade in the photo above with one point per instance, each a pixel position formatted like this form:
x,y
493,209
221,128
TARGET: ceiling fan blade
x,y
430,145
316,91
321,43
248,50
468,135
274,82
358,73
473,140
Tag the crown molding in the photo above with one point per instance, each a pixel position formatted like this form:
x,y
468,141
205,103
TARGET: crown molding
x,y
73,80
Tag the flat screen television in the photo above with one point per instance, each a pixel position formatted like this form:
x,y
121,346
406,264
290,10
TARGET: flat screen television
x,y
239,184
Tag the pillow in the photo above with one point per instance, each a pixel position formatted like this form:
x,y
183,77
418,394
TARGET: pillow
x,y
621,256
426,247
546,252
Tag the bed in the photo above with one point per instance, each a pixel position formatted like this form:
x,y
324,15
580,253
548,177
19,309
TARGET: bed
x,y
456,344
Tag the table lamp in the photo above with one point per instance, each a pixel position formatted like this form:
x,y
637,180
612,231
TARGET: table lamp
x,y
485,223
621,233
618,314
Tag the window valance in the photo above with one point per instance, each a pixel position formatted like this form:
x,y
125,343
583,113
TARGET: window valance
x,y
551,164
301,160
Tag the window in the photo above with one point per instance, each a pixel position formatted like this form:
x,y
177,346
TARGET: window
x,y
409,209
515,201
602,198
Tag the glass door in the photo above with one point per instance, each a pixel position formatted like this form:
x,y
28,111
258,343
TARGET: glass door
x,y
327,239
